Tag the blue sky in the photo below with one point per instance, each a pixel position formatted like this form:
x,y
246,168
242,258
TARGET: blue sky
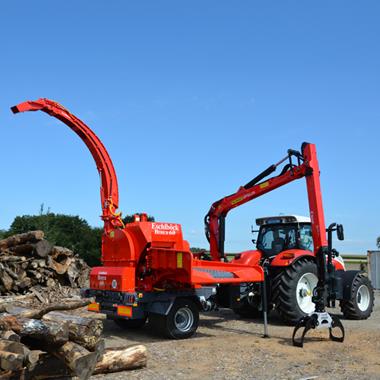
x,y
192,100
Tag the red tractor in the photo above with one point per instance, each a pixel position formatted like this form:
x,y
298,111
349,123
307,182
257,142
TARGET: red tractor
x,y
149,272
285,245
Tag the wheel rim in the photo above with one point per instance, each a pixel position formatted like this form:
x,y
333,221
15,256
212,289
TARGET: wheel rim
x,y
363,298
305,287
184,319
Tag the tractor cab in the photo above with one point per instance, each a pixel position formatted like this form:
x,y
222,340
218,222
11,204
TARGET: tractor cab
x,y
280,233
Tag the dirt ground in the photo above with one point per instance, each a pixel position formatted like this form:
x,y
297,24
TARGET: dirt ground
x,y
228,347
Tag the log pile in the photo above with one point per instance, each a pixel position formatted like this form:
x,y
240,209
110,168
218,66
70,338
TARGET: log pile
x,y
29,261
50,344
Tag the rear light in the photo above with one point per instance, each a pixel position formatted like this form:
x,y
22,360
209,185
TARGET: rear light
x,y
287,256
124,311
94,307
129,298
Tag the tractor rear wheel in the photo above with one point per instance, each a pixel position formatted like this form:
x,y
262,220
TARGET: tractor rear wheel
x,y
181,322
292,290
360,305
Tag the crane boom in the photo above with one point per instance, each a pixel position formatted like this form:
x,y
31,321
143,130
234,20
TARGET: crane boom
x,y
109,192
307,166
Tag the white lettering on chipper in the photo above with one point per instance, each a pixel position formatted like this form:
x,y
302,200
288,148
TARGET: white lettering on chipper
x,y
165,228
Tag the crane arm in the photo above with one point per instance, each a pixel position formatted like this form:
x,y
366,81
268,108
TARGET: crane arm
x,y
109,188
307,165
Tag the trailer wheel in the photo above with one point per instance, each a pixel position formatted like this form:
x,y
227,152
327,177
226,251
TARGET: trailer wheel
x,y
292,290
130,323
360,305
180,323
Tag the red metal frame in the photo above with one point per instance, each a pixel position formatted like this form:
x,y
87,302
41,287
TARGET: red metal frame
x,y
309,168
109,191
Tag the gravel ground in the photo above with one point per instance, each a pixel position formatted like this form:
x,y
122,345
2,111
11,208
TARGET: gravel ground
x,y
227,347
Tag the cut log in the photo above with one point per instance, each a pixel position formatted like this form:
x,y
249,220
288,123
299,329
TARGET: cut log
x,y
37,334
38,295
60,253
11,361
10,272
115,360
32,236
14,347
6,279
80,361
49,367
10,335
13,375
40,249
84,331
32,358
60,268
38,314
22,249
43,248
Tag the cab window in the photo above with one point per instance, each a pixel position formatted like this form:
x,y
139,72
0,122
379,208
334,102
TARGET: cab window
x,y
306,237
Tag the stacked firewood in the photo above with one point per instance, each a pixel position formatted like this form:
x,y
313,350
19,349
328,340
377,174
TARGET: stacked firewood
x,y
49,343
27,260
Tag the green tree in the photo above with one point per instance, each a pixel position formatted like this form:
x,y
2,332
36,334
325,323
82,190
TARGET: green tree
x,y
68,231
131,218
378,242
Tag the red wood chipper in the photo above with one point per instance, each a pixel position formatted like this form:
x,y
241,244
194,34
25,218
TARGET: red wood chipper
x,y
149,272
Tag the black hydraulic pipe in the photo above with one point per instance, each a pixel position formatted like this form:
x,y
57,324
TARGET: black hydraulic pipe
x,y
262,175
222,234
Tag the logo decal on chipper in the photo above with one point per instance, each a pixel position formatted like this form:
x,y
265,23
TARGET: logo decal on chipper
x,y
114,284
165,228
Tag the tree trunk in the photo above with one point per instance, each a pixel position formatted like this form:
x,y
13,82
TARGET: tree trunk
x,y
32,236
115,360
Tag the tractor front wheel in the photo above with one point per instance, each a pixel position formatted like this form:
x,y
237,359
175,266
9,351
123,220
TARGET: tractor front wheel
x,y
360,305
292,290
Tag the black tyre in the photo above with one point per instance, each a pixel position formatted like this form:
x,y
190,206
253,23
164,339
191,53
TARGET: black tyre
x,y
181,322
130,323
360,305
292,290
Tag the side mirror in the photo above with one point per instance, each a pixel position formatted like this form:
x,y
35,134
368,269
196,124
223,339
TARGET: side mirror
x,y
340,231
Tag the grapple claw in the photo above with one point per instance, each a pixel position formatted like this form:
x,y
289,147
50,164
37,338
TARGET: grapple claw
x,y
318,320
336,325
307,323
